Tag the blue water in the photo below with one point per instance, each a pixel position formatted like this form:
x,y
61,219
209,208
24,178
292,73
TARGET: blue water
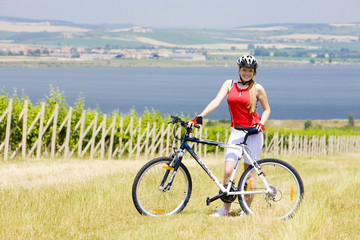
x,y
297,92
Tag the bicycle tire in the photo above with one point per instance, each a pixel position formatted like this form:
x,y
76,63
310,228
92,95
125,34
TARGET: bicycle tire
x,y
148,197
286,185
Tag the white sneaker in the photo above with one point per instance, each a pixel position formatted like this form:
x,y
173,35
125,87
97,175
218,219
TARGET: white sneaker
x,y
220,213
242,214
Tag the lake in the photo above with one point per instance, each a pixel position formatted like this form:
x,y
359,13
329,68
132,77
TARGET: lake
x,y
294,92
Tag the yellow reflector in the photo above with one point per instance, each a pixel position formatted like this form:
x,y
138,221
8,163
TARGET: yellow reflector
x,y
248,186
158,210
168,167
291,193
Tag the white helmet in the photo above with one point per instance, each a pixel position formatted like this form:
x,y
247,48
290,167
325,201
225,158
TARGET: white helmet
x,y
247,61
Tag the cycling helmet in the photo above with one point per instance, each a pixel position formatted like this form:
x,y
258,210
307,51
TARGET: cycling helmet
x,y
247,61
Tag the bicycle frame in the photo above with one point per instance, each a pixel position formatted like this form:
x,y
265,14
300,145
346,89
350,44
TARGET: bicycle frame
x,y
225,191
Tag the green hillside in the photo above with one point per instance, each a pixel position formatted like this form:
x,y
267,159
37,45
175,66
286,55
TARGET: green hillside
x,y
293,41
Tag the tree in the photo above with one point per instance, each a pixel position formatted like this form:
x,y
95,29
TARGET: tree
x,y
251,46
278,53
261,51
308,124
351,120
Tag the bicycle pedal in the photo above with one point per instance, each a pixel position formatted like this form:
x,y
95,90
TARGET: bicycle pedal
x,y
209,200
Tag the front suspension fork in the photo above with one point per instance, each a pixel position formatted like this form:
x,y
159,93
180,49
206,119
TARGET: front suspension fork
x,y
173,166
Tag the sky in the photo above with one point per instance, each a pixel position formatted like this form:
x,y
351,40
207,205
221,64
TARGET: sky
x,y
186,13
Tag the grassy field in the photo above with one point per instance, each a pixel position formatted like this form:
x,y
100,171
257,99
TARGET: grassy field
x,y
80,199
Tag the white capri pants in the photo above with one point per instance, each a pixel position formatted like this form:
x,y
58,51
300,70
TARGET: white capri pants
x,y
254,144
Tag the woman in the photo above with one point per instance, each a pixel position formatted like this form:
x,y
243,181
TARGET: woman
x,y
242,96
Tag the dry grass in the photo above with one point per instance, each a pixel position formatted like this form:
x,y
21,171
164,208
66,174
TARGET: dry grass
x,y
37,27
214,47
299,124
82,199
299,36
275,28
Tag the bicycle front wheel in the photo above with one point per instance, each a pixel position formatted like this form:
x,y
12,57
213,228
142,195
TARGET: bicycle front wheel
x,y
150,193
280,199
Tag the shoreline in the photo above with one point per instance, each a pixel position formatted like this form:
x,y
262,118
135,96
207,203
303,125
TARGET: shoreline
x,y
45,62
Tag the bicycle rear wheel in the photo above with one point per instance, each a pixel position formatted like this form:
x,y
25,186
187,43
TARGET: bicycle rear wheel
x,y
148,193
285,192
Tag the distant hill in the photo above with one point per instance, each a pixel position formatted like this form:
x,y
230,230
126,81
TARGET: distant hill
x,y
296,41
64,23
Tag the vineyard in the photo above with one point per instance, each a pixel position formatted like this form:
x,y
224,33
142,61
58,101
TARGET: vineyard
x,y
52,129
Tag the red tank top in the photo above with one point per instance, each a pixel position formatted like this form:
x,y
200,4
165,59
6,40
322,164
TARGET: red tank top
x,y
238,99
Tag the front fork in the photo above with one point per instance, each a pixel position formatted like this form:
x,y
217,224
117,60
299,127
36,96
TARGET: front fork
x,y
173,166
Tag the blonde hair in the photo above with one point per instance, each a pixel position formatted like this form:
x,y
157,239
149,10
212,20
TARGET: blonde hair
x,y
252,93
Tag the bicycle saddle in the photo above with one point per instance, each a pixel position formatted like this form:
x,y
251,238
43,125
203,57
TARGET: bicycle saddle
x,y
248,130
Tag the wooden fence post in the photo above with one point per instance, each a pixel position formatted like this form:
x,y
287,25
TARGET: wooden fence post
x,y
53,137
323,143
67,136
265,142
217,148
131,124
205,146
24,129
8,128
41,127
81,136
276,143
93,136
121,133
168,135
152,146
162,135
138,142
200,145
112,134
146,142
281,150
290,144
102,148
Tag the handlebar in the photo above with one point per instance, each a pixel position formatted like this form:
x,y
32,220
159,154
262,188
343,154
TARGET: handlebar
x,y
176,119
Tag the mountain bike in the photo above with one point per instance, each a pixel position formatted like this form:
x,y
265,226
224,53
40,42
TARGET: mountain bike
x,y
267,187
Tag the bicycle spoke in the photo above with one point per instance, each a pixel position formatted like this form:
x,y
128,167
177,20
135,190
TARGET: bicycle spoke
x,y
149,195
283,195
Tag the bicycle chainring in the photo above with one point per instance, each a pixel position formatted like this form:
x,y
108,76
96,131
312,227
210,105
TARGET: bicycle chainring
x,y
229,198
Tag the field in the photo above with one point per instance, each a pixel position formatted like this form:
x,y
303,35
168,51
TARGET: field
x,y
285,43
37,27
83,199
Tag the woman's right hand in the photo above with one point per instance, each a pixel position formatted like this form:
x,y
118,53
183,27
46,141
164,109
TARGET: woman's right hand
x,y
197,120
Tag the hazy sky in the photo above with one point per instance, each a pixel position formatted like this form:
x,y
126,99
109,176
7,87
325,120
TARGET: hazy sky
x,y
186,13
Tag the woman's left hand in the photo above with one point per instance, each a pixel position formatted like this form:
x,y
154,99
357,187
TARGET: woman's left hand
x,y
260,127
